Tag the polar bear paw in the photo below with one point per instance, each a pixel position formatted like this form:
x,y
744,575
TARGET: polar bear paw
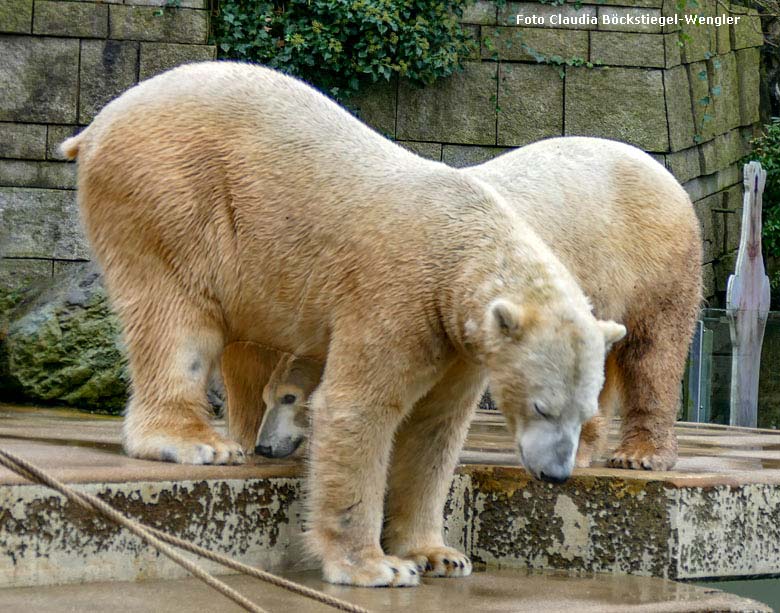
x,y
208,448
373,571
638,454
441,562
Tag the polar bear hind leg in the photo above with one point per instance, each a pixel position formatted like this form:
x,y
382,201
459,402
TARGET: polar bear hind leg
x,y
173,342
651,361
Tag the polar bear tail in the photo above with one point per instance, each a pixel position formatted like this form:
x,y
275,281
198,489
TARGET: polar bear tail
x,y
69,149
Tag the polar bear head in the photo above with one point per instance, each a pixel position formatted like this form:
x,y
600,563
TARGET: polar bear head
x,y
286,421
546,372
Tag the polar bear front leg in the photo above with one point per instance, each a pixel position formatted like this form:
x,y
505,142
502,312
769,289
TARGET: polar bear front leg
x,y
352,434
425,455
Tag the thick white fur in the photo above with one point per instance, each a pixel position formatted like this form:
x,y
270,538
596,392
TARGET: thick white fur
x,y
227,203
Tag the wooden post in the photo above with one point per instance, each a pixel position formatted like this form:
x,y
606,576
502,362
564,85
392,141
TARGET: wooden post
x,y
747,304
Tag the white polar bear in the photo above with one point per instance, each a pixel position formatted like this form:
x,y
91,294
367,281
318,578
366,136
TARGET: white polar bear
x,y
229,203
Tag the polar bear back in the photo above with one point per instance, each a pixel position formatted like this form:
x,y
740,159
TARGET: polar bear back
x,y
616,218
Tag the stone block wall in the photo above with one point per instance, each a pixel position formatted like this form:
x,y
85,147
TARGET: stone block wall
x,y
61,61
647,87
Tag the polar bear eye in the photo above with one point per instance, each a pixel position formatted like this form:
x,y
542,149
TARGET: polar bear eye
x,y
288,399
540,411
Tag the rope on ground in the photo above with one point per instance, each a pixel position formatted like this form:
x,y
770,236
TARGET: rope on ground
x,y
160,540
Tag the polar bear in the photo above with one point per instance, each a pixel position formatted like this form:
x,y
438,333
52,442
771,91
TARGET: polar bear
x,y
626,230
286,382
229,203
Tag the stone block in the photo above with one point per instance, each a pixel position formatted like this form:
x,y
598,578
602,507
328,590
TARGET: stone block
x,y
474,36
30,173
482,12
733,202
39,79
747,31
712,226
749,84
672,50
721,152
678,108
16,274
634,3
79,19
729,176
706,185
108,68
460,156
431,151
145,23
725,77
159,57
724,268
25,141
566,16
723,39
185,4
16,16
629,19
625,104
628,49
533,44
41,223
376,104
460,109
698,41
708,281
54,138
701,187
716,103
530,101
684,165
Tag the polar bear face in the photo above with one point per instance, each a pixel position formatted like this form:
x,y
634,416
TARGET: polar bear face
x,y
286,421
547,370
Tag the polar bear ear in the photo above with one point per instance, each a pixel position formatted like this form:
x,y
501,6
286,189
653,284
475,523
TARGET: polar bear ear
x,y
510,319
612,331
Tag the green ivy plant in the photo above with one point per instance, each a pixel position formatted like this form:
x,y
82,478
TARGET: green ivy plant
x,y
766,149
336,45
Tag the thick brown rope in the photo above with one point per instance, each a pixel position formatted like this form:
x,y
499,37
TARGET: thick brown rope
x,y
159,539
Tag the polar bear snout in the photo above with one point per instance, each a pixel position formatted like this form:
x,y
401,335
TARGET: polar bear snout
x,y
548,450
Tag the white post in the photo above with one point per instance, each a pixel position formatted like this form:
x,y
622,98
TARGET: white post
x,y
747,304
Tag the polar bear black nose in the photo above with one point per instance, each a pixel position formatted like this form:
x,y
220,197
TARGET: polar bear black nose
x,y
553,478
265,450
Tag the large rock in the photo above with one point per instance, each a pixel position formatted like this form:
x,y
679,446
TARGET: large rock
x,y
61,341
62,345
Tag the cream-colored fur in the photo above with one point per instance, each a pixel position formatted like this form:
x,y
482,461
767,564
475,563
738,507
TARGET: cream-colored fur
x,y
228,203
626,230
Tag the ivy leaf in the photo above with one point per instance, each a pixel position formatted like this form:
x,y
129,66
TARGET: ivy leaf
x,y
702,75
704,101
716,91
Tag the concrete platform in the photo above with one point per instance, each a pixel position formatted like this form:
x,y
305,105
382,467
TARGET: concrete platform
x,y
499,591
717,515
